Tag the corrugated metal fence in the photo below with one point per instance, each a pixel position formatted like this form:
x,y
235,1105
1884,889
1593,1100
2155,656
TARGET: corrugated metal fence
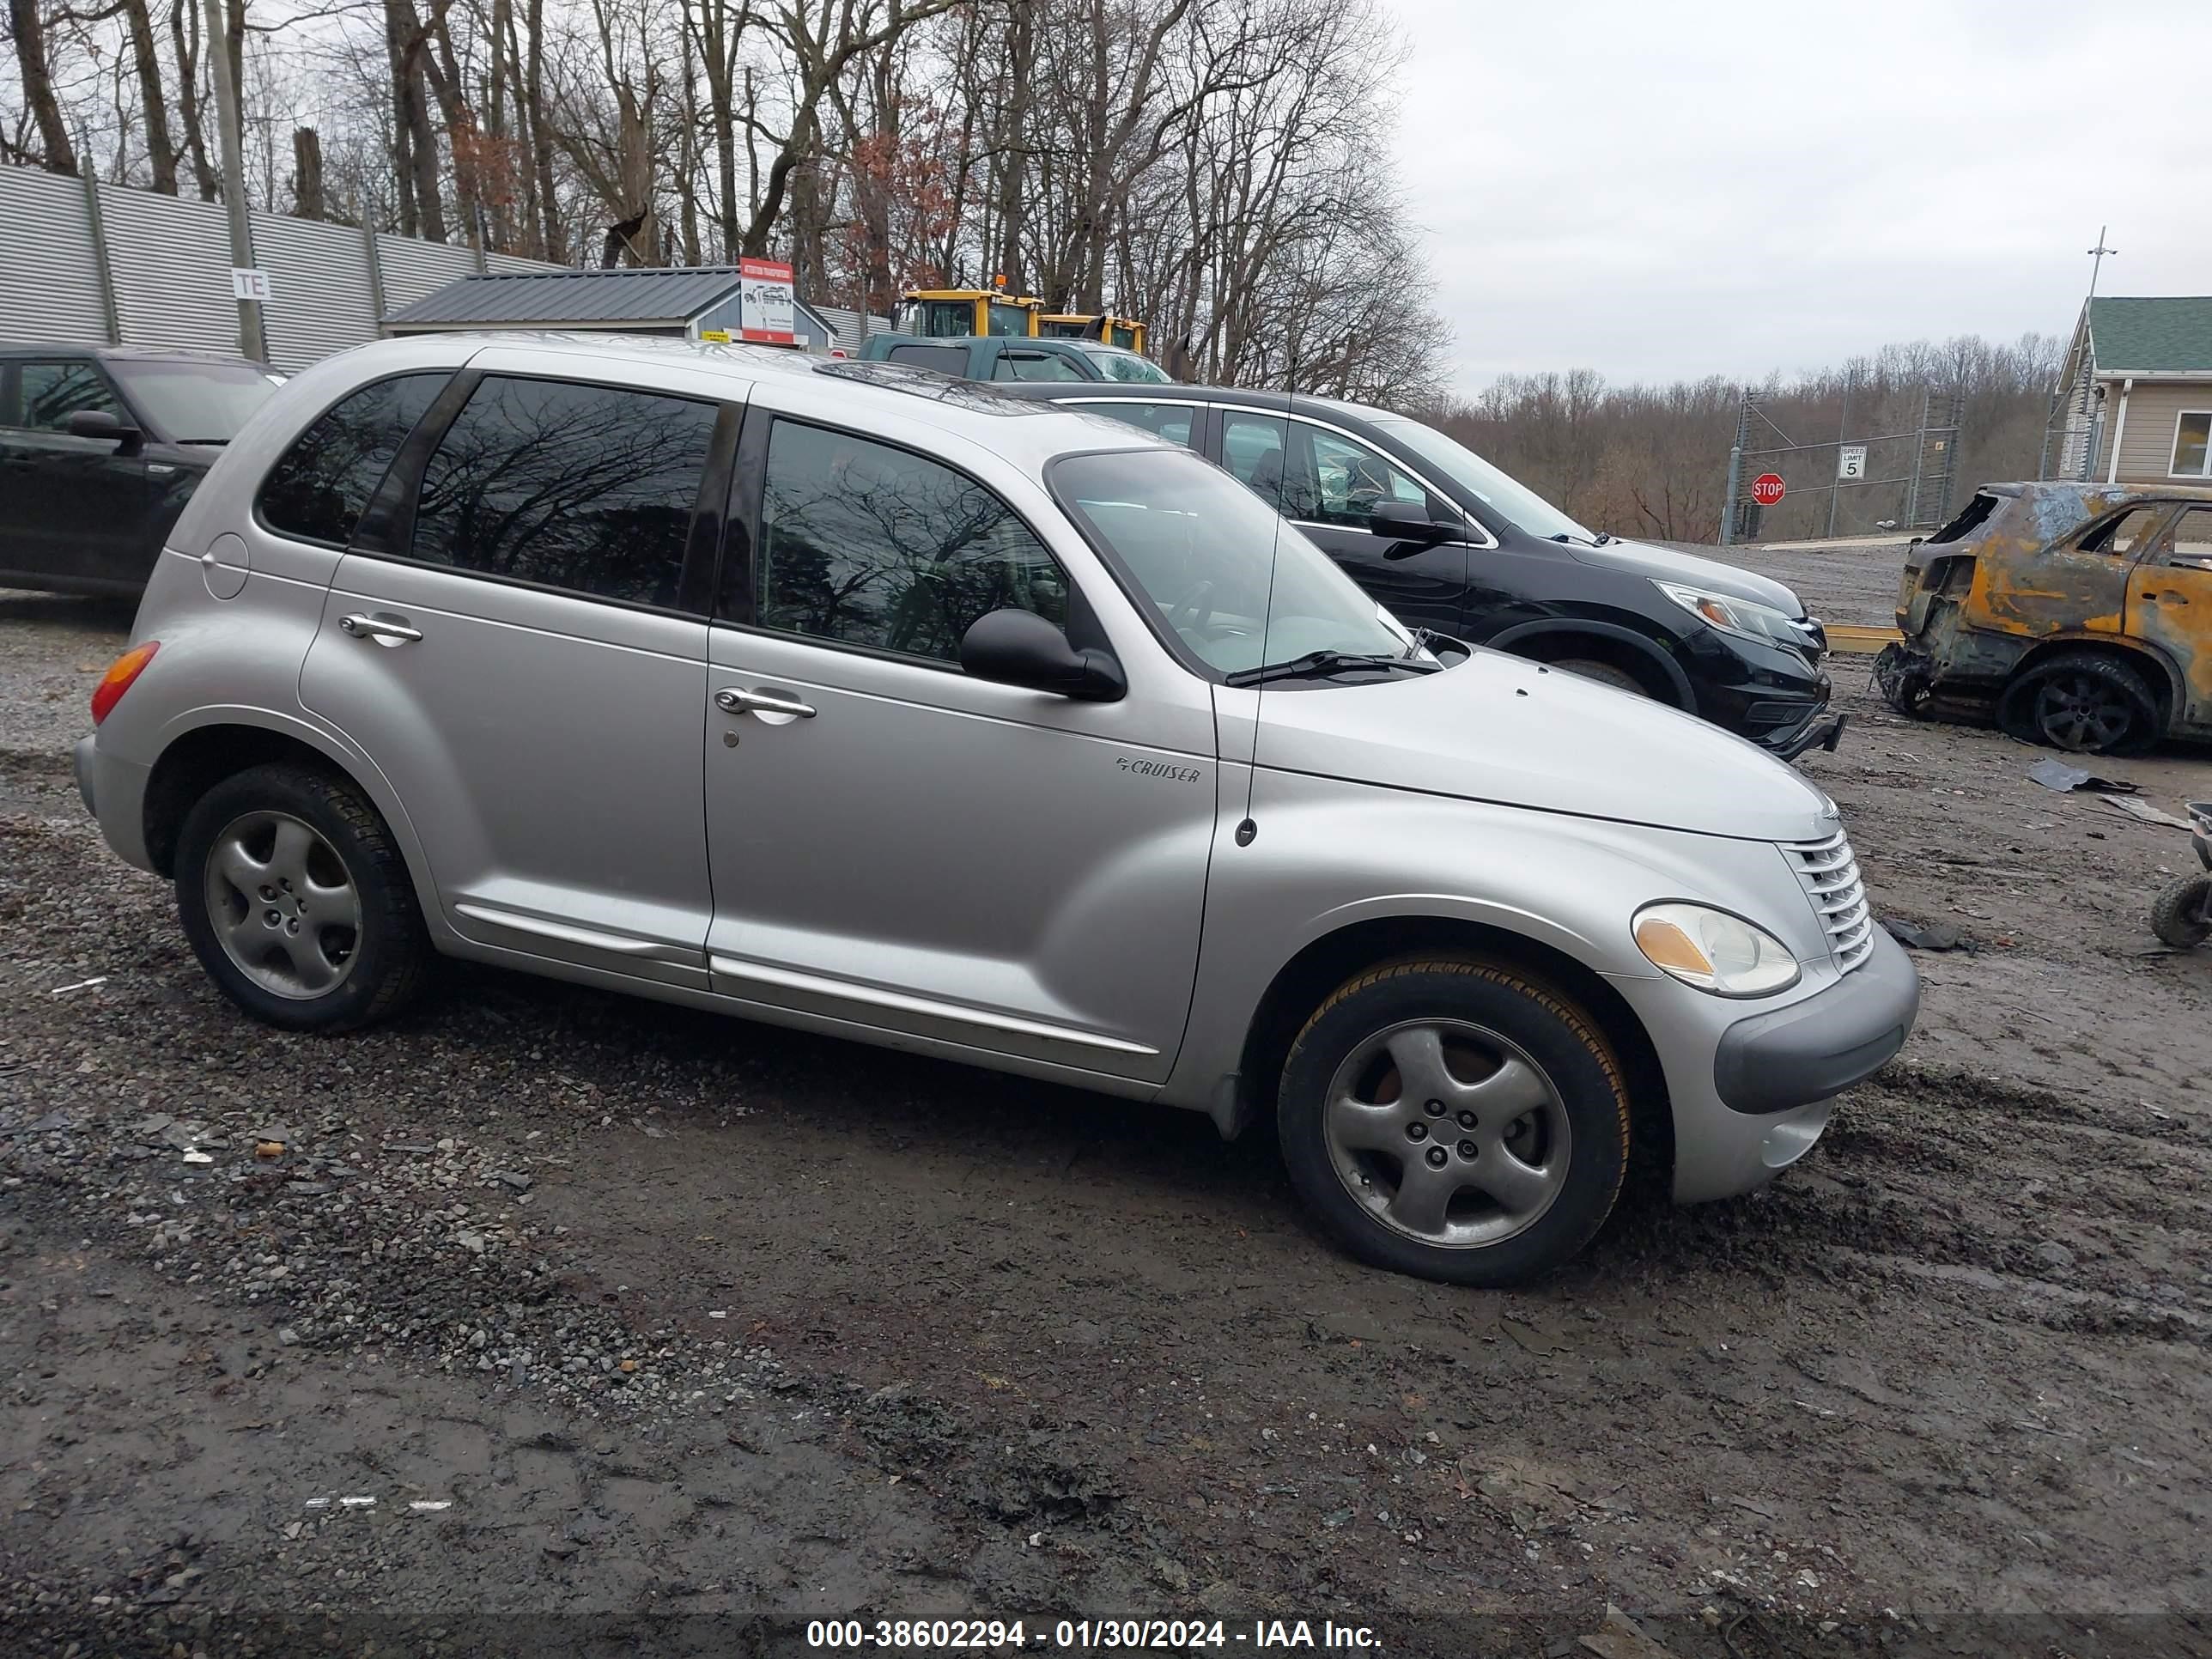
x,y
108,265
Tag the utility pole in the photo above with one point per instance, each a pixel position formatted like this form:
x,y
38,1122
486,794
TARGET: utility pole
x,y
251,341
1843,431
2098,254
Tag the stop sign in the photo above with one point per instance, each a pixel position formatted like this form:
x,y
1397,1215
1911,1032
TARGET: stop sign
x,y
1767,489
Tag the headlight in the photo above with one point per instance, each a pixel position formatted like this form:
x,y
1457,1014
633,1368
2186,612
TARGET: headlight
x,y
1733,615
1714,950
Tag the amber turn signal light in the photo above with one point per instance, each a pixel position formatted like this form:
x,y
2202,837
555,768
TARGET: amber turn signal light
x,y
118,678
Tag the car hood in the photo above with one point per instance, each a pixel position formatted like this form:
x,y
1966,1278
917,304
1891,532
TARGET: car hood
x,y
1500,728
1665,564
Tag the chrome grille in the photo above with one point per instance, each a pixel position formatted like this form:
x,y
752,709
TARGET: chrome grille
x,y
1831,876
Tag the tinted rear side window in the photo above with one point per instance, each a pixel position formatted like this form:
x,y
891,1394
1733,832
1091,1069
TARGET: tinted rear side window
x,y
946,360
319,486
587,488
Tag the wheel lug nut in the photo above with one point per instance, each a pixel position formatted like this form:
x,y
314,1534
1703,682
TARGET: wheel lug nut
x,y
1436,1156
268,892
272,918
1467,1120
1417,1131
1434,1108
1467,1149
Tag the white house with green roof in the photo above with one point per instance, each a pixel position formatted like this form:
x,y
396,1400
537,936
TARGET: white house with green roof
x,y
2135,397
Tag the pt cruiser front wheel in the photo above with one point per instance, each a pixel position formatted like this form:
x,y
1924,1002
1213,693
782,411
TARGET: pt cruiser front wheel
x,y
1454,1119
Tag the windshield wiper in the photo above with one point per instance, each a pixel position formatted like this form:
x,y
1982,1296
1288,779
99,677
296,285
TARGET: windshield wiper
x,y
1320,664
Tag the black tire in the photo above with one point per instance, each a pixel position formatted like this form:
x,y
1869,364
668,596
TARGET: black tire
x,y
389,953
2177,915
1560,1042
1603,672
2085,702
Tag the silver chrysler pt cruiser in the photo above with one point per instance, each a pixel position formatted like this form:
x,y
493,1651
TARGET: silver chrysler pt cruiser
x,y
849,697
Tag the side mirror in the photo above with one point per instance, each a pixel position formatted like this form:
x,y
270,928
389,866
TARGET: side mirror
x,y
99,423
1019,648
1410,525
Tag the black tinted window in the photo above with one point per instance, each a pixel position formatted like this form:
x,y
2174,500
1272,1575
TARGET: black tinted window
x,y
54,391
319,486
946,360
872,545
588,488
1173,421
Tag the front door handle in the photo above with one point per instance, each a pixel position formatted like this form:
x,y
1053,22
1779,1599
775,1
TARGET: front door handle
x,y
382,630
730,700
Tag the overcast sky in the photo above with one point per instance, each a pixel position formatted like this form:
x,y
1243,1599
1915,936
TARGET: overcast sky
x,y
1702,186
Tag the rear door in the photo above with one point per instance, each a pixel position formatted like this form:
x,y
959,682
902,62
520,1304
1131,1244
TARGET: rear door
x,y
2170,605
75,508
527,667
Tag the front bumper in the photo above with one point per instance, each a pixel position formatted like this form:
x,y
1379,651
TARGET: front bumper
x,y
1818,734
1818,1047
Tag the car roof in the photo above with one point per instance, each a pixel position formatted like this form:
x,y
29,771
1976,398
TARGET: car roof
x,y
1146,392
109,354
1026,432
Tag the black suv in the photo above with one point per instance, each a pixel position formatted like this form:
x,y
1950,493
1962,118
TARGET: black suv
x,y
1448,543
99,446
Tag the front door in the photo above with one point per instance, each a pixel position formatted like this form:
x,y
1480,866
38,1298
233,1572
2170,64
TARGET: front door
x,y
2170,605
529,681
898,845
1328,483
79,507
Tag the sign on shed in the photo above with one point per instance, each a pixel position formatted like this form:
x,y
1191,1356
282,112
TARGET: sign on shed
x,y
764,311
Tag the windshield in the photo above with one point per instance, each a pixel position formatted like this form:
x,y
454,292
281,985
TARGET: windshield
x,y
1521,505
1117,365
194,403
1206,551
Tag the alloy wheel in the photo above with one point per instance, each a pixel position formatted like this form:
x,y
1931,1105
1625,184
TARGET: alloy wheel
x,y
1446,1132
283,904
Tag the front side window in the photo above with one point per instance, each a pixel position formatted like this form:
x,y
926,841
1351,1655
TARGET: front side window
x,y
321,485
54,391
873,546
1228,577
590,489
195,402
2190,547
1345,482
1511,499
2192,443
1169,421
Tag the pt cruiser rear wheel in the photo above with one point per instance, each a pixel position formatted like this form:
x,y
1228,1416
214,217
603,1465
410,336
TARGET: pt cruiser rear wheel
x,y
1456,1120
297,903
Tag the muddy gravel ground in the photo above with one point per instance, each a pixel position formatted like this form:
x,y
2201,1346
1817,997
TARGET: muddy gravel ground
x,y
548,1322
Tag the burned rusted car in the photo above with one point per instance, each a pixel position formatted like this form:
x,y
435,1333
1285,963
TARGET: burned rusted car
x,y
2076,614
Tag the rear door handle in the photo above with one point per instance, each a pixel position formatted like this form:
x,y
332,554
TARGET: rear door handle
x,y
733,700
383,629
